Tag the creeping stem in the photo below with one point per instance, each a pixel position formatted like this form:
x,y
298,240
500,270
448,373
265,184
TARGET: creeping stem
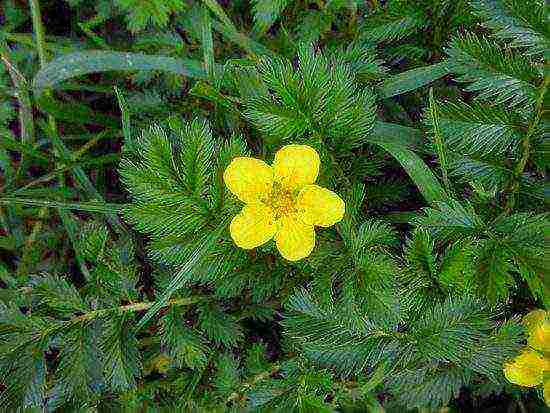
x,y
526,147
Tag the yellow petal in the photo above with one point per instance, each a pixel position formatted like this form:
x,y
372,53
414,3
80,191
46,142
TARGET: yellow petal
x,y
249,179
296,165
253,226
533,318
526,369
538,329
320,206
295,239
539,338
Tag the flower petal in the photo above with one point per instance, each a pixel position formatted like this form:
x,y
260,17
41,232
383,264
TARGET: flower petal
x,y
295,239
538,329
320,206
526,369
534,318
249,179
296,165
253,226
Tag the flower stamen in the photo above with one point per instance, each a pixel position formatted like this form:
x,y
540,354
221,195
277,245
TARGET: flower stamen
x,y
282,201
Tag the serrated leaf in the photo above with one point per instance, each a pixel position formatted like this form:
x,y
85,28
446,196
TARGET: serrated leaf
x,y
498,75
522,23
266,12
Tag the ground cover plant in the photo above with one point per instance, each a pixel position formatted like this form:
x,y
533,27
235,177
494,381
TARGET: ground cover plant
x,y
274,206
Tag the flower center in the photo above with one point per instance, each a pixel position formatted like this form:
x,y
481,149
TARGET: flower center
x,y
283,201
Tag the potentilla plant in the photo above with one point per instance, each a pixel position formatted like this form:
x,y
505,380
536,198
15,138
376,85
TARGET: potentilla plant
x,y
274,206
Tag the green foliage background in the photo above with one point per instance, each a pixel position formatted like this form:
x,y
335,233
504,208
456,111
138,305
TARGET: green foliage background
x,y
120,287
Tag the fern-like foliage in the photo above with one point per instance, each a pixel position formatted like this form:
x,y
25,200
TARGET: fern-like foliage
x,y
523,23
316,100
476,129
266,12
498,75
504,247
140,13
397,21
434,349
172,185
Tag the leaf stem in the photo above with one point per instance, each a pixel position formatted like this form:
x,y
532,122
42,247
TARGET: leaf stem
x,y
252,382
434,115
36,16
526,148
129,308
133,308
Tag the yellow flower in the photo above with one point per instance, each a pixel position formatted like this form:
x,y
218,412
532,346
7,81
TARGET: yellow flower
x,y
532,367
538,329
527,369
282,201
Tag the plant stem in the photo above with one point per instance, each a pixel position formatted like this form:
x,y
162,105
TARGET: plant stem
x,y
526,148
129,308
133,308
38,28
26,122
433,113
252,382
36,16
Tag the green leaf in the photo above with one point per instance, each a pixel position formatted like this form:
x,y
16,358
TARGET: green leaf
x,y
497,74
266,12
78,376
422,176
57,295
433,116
412,79
420,254
393,133
82,63
319,98
207,44
389,29
183,344
74,112
227,376
193,256
141,12
100,207
221,328
120,355
522,24
226,27
477,129
451,220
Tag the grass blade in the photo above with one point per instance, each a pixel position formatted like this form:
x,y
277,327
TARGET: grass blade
x,y
81,63
412,79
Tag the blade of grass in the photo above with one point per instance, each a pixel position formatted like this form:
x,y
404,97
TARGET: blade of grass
x,y
94,61
226,28
434,119
99,207
207,44
398,134
125,116
194,257
412,79
418,171
26,122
